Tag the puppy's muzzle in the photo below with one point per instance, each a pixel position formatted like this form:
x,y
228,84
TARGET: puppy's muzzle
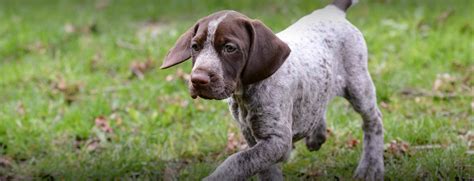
x,y
200,78
203,83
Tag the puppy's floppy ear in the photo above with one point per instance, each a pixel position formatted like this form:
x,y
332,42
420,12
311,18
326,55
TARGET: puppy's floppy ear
x,y
181,50
266,53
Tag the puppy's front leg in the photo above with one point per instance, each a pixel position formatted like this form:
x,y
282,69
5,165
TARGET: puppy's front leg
x,y
273,145
273,173
244,164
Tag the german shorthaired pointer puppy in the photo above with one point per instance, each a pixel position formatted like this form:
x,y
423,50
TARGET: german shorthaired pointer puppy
x,y
278,86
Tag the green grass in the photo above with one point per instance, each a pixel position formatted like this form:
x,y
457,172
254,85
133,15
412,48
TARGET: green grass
x,y
54,83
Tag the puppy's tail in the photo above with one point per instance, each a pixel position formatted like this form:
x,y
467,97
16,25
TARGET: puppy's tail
x,y
344,4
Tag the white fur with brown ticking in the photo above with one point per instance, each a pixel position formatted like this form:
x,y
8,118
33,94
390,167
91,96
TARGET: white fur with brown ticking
x,y
302,68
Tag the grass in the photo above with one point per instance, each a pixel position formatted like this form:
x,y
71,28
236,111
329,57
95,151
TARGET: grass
x,y
66,64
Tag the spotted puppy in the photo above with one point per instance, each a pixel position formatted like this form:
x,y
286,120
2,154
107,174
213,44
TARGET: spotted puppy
x,y
278,86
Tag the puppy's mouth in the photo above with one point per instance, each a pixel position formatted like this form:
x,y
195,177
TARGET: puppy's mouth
x,y
211,92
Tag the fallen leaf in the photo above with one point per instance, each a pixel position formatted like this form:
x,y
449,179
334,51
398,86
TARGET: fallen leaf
x,y
384,105
398,148
352,143
20,109
444,83
139,68
329,132
102,123
93,144
5,162
69,90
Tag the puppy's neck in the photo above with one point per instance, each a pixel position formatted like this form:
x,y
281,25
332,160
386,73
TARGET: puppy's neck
x,y
239,89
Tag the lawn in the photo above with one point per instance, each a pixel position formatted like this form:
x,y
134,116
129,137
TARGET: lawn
x,y
82,97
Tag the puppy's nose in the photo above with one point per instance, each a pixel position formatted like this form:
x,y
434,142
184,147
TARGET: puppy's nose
x,y
200,78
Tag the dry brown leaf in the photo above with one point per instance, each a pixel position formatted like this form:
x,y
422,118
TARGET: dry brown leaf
x,y
384,105
93,144
444,83
352,143
102,123
20,109
329,132
398,148
5,162
139,68
69,90
90,144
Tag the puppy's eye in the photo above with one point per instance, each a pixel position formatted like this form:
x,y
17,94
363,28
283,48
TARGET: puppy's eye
x,y
195,46
230,48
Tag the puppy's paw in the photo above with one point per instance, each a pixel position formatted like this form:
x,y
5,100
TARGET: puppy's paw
x,y
370,171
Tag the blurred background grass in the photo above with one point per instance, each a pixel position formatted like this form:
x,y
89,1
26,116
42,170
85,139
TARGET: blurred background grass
x,y
81,97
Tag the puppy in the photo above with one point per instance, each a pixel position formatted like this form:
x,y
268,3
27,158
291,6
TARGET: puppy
x,y
279,85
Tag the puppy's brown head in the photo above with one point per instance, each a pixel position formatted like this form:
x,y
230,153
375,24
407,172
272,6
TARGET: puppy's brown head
x,y
227,49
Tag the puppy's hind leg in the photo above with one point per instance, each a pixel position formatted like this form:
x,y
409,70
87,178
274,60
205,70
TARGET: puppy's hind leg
x,y
360,92
371,163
